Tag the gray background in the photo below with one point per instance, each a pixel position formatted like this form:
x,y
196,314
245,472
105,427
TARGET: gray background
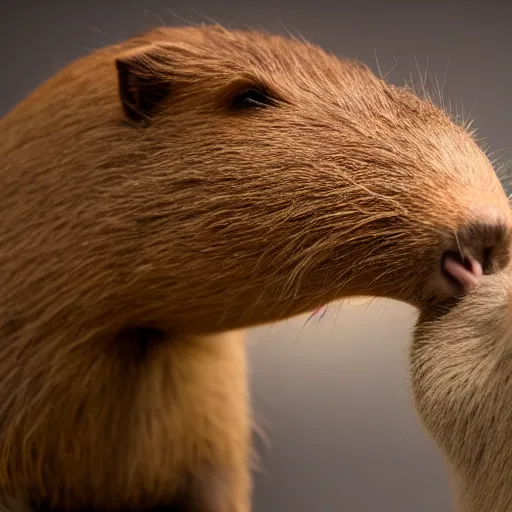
x,y
332,396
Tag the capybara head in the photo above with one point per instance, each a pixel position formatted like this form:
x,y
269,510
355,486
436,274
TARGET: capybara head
x,y
461,367
204,179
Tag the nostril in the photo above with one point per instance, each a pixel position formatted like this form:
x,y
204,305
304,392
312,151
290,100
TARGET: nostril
x,y
487,259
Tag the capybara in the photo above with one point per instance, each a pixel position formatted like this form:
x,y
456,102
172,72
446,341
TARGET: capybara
x,y
159,196
461,368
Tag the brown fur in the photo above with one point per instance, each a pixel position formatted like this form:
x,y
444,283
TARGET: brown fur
x,y
181,216
461,366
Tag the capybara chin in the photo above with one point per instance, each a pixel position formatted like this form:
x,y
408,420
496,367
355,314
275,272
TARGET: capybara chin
x,y
191,182
461,367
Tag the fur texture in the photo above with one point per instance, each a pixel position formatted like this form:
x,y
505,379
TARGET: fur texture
x,y
461,366
144,205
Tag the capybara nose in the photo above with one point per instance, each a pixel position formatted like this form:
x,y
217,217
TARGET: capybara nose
x,y
481,246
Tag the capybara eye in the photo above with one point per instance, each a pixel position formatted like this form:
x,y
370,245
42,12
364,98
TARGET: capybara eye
x,y
252,98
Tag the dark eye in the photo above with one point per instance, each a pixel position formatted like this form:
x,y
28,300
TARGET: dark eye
x,y
252,98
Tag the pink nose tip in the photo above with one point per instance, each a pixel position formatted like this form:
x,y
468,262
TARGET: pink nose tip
x,y
466,273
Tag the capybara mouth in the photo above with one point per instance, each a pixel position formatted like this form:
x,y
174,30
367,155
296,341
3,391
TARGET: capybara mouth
x,y
461,271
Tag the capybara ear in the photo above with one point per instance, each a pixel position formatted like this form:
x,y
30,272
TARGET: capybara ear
x,y
144,79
